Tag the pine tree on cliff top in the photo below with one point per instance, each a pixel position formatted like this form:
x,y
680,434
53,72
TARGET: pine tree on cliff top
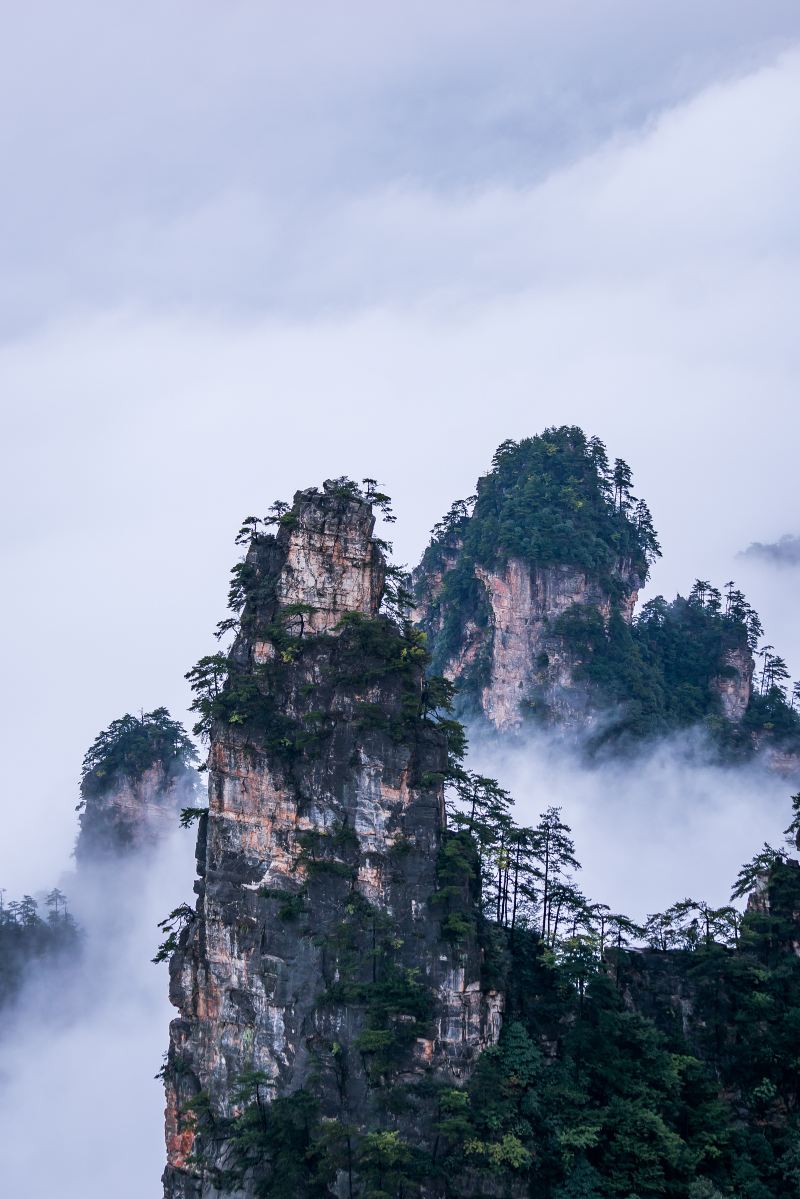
x,y
553,499
132,744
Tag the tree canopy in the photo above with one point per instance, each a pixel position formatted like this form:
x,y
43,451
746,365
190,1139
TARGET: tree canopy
x,y
132,744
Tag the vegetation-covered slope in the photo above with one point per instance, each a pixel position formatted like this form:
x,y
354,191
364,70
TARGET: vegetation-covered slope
x,y
548,501
27,938
131,745
526,593
136,775
333,978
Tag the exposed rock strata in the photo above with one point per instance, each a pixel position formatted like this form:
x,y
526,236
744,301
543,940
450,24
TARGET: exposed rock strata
x,y
734,684
133,813
531,666
512,659
318,858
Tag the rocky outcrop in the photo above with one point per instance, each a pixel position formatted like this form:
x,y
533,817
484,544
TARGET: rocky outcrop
x,y
531,665
734,684
511,657
658,984
315,954
133,812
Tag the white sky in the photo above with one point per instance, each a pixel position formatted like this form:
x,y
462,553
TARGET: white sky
x,y
248,246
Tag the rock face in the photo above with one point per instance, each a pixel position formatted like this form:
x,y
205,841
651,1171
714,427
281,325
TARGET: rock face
x,y
331,564
734,684
315,955
132,813
508,654
659,985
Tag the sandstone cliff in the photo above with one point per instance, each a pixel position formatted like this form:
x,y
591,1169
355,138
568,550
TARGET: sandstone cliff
x,y
137,777
553,535
527,591
510,655
314,960
734,684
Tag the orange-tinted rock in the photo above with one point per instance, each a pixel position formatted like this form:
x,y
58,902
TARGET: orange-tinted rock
x,y
318,858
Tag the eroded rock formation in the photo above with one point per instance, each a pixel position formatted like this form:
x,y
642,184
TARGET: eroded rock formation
x,y
734,684
137,778
509,655
315,956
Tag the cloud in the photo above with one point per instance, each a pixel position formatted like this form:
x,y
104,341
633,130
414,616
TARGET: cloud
x,y
411,265
251,159
783,552
664,825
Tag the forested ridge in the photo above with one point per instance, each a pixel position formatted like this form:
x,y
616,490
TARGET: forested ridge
x,y
555,503
130,746
637,1057
639,1054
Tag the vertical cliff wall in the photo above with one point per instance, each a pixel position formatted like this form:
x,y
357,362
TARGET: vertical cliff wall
x,y
527,594
509,655
552,533
315,956
734,684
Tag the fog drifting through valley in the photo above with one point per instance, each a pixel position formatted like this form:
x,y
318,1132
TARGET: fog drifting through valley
x,y
665,825
80,1051
247,249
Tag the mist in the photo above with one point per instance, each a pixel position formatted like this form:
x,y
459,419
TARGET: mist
x,y
80,1108
248,248
783,552
81,1047
665,824
527,258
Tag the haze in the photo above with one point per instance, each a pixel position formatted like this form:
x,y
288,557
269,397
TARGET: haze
x,y
246,248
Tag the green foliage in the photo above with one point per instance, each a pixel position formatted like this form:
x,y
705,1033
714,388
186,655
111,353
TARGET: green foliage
x,y
225,691
552,499
548,500
131,745
609,1110
770,715
330,854
365,651
283,1149
280,1143
754,871
688,641
374,649
189,815
367,973
27,938
173,925
665,670
291,904
586,1096
458,889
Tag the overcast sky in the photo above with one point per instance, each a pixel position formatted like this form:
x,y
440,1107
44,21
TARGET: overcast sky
x,y
247,246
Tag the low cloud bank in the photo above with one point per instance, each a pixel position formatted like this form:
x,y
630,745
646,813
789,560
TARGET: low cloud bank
x,y
667,824
81,1111
783,552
